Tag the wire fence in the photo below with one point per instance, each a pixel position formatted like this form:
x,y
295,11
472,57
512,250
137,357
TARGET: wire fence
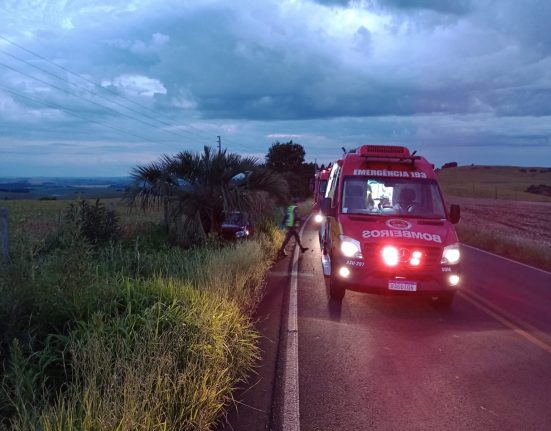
x,y
4,235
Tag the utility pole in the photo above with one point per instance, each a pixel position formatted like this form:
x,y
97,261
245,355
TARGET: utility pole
x,y
219,145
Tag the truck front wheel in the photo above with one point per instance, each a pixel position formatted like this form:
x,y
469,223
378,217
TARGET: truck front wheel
x,y
336,291
445,300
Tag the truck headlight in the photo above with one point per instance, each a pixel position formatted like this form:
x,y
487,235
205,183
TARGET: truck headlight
x,y
390,255
318,218
350,247
451,254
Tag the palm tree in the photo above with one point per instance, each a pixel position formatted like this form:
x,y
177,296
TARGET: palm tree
x,y
196,189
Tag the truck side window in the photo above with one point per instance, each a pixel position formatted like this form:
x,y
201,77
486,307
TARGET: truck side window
x,y
334,201
333,184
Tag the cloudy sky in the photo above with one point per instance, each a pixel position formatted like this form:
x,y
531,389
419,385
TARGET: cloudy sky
x,y
95,87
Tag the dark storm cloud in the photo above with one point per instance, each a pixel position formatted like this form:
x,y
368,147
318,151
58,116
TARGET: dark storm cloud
x,y
339,3
455,7
523,22
231,63
284,69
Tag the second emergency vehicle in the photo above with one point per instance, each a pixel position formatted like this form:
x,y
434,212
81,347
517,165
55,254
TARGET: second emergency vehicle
x,y
320,186
387,229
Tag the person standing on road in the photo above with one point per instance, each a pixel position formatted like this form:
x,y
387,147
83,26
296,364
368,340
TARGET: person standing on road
x,y
291,222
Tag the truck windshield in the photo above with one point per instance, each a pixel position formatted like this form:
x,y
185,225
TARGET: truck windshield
x,y
392,196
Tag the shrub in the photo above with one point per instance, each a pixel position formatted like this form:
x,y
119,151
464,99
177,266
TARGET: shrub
x,y
449,165
96,223
541,189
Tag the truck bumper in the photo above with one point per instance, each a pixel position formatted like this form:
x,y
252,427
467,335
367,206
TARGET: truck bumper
x,y
428,281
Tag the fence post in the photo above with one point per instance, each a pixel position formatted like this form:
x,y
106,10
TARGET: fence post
x,y
4,235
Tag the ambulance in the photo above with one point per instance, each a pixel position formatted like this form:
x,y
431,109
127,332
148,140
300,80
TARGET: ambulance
x,y
320,186
387,229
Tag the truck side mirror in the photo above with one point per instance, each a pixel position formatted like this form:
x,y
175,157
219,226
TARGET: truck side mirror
x,y
455,214
326,208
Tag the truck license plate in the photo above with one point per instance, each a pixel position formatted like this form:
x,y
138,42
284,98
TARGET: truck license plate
x,y
410,286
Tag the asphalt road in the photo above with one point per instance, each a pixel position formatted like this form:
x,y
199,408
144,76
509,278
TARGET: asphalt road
x,y
400,363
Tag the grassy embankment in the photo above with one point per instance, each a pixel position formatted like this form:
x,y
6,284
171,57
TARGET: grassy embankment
x,y
133,335
498,215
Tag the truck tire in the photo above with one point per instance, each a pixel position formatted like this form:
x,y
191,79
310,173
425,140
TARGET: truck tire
x,y
445,300
336,291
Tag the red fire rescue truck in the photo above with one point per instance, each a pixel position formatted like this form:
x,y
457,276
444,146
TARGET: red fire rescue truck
x,y
320,186
387,229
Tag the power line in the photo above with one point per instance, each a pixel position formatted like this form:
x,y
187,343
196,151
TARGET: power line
x,y
96,94
70,112
89,100
200,133
96,84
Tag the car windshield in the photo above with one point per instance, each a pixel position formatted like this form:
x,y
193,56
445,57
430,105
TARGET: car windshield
x,y
234,218
390,196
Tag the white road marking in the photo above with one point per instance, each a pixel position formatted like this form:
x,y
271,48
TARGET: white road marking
x,y
505,258
291,411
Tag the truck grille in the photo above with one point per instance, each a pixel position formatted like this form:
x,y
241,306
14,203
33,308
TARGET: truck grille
x,y
431,256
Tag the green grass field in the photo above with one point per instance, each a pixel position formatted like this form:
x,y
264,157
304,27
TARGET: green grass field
x,y
36,219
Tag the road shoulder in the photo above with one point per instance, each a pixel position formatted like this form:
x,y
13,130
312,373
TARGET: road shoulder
x,y
257,399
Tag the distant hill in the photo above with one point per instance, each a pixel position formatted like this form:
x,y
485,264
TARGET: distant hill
x,y
63,188
495,182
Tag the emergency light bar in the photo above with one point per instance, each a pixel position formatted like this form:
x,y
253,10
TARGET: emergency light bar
x,y
383,150
382,153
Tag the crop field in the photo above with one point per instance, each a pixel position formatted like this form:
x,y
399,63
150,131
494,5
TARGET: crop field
x,y
494,182
517,230
498,215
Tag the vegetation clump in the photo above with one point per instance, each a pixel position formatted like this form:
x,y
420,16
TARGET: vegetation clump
x,y
100,333
96,223
196,190
288,160
114,322
541,189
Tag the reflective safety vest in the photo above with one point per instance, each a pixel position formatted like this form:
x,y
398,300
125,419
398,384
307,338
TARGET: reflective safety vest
x,y
290,219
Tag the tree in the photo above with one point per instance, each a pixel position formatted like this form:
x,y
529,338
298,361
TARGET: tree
x,y
196,189
288,159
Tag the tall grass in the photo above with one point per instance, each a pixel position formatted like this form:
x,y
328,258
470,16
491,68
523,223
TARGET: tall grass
x,y
513,247
129,336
